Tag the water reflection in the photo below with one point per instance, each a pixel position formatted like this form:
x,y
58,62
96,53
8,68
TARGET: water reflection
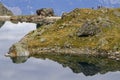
x,y
20,59
1,23
87,65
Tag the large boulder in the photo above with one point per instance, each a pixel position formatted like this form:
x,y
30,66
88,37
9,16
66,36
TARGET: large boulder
x,y
88,29
4,11
45,12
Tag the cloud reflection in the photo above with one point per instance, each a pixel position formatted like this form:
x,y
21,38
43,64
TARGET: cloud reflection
x,y
10,31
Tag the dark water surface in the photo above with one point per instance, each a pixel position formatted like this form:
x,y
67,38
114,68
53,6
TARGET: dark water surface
x,y
49,67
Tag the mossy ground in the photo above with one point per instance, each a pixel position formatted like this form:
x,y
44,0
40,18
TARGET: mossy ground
x,y
63,32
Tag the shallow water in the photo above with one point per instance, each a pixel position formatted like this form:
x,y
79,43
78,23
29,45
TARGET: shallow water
x,y
47,67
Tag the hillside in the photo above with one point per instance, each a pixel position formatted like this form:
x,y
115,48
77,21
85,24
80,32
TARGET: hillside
x,y
4,11
82,31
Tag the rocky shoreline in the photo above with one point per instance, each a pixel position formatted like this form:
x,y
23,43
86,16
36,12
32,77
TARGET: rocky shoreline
x,y
20,51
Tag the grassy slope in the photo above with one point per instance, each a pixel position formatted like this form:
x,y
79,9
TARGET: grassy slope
x,y
63,32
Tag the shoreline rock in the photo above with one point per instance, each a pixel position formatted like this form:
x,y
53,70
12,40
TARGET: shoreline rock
x,y
19,49
46,12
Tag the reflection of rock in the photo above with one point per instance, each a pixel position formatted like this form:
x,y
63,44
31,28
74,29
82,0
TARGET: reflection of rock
x,y
34,19
89,69
21,59
88,65
1,23
38,25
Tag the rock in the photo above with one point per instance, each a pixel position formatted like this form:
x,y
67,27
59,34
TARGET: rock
x,y
102,42
44,22
106,24
18,49
45,12
88,29
63,15
42,39
4,11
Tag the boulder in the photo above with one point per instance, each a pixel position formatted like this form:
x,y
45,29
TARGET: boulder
x,y
45,12
4,11
64,14
88,29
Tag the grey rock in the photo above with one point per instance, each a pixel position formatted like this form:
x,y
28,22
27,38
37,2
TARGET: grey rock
x,y
18,49
63,15
106,24
102,42
45,12
88,29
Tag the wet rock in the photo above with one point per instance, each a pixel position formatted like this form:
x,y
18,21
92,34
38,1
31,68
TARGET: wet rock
x,y
45,12
88,29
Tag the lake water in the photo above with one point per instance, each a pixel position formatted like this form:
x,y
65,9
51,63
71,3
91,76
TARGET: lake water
x,y
47,67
